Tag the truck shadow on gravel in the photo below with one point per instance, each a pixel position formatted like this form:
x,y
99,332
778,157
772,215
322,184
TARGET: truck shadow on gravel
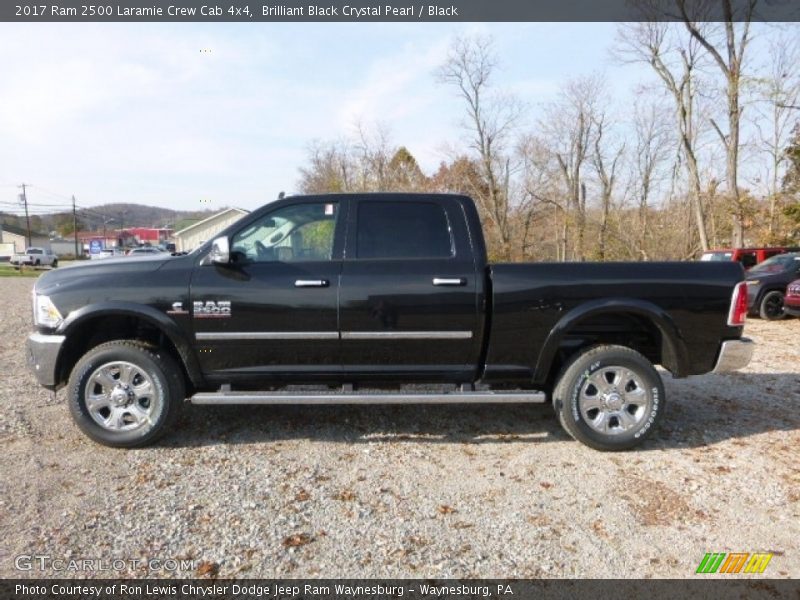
x,y
700,411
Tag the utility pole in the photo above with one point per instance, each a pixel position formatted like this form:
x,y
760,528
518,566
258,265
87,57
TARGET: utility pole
x,y
24,197
75,227
121,240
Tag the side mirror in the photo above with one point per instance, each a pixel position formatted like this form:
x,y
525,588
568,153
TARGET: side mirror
x,y
220,251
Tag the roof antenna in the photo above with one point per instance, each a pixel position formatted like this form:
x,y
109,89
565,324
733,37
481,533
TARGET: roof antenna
x,y
281,195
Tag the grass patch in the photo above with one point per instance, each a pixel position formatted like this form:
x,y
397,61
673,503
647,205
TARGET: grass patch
x,y
12,272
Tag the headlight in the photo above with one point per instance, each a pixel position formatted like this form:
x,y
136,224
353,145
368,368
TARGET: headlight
x,y
753,282
45,313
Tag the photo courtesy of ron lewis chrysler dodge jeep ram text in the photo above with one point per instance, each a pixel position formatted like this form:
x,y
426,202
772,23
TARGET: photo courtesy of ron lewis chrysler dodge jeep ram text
x,y
357,296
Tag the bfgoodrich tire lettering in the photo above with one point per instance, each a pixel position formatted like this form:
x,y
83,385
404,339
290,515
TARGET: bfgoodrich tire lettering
x,y
125,394
609,398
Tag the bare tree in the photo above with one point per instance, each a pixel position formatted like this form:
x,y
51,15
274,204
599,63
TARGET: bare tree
x,y
490,122
651,147
372,152
330,168
675,63
368,163
569,127
727,47
779,94
542,185
606,164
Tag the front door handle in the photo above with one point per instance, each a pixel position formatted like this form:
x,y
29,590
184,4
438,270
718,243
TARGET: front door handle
x,y
449,281
311,283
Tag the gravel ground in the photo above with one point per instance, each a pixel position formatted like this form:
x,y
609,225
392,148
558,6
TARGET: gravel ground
x,y
407,491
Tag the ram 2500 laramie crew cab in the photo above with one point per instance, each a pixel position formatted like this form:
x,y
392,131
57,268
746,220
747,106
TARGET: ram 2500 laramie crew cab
x,y
356,296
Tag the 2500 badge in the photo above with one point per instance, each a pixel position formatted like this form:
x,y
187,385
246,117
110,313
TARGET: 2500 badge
x,y
210,309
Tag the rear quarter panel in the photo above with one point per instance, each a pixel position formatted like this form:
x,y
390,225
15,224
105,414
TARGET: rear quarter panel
x,y
532,301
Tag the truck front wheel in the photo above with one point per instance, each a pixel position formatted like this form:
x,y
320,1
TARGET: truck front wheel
x,y
125,393
609,398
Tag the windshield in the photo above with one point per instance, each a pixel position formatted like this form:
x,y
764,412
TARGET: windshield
x,y
776,264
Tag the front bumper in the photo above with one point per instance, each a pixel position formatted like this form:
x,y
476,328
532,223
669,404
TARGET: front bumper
x,y
734,355
42,356
791,306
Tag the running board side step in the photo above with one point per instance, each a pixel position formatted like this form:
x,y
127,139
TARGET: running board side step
x,y
368,398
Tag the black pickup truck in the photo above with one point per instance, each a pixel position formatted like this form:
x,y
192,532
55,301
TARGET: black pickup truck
x,y
350,298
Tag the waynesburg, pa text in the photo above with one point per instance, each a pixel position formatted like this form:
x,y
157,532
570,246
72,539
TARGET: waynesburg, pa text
x,y
252,590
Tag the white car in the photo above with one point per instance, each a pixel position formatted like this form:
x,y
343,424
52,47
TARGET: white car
x,y
145,250
35,257
107,253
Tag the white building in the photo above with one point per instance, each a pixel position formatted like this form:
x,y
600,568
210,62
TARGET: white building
x,y
192,236
18,237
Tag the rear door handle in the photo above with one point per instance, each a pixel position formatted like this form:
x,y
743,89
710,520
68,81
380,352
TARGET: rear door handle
x,y
449,281
311,283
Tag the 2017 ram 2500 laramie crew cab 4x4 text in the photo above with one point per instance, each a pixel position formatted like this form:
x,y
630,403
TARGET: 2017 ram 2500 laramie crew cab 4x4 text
x,y
361,294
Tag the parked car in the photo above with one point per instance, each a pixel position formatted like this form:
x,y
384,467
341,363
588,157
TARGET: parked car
x,y
791,302
107,253
766,285
144,250
749,257
35,257
355,292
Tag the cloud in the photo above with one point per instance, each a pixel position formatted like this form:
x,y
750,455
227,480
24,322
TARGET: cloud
x,y
396,86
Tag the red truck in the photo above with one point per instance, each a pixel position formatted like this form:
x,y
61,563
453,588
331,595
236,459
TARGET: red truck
x,y
749,257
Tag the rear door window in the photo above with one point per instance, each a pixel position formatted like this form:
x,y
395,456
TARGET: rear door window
x,y
403,229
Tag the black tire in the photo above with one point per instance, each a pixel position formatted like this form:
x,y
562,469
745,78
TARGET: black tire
x,y
55,264
771,306
166,382
37,263
632,407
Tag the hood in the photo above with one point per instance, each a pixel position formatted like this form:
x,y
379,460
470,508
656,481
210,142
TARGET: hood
x,y
94,272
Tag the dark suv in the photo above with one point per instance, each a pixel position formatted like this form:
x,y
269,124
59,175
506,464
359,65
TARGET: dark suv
x,y
766,284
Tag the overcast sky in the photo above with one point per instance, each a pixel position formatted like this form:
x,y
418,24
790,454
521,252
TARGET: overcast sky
x,y
197,116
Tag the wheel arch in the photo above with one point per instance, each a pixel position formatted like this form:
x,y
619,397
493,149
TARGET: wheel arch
x,y
92,325
766,289
672,352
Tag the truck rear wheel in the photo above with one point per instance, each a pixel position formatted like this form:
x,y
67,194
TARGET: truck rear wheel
x,y
125,393
609,398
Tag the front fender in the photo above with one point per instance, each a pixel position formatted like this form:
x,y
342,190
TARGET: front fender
x,y
77,318
674,354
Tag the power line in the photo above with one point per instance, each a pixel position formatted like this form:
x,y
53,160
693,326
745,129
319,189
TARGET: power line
x,y
50,193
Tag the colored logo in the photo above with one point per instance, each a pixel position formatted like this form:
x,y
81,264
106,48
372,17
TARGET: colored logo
x,y
734,562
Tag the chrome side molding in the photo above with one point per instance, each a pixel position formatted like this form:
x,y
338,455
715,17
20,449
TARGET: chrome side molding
x,y
406,335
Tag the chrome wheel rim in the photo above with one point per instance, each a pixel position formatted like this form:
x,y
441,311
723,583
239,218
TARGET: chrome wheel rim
x,y
121,397
613,400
